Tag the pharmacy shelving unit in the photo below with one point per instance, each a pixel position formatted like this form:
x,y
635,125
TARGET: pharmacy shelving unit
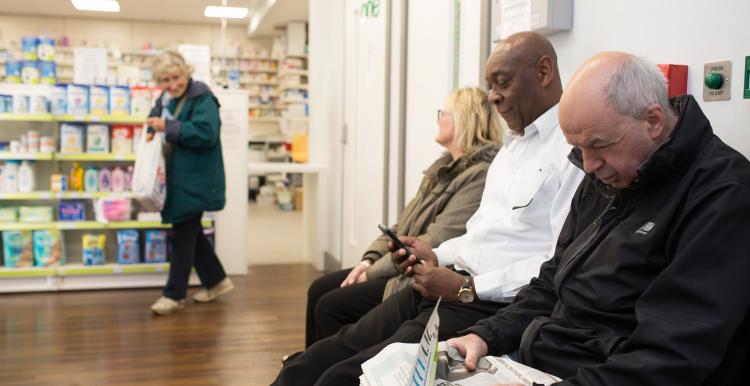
x,y
77,276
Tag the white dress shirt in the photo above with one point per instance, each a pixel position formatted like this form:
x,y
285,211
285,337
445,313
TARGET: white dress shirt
x,y
526,199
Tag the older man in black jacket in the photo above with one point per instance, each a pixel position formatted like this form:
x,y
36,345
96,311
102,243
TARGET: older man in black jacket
x,y
650,283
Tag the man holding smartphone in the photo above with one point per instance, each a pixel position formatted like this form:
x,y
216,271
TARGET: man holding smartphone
x,y
525,201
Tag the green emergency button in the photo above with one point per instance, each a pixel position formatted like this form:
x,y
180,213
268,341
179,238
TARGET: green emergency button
x,y
714,80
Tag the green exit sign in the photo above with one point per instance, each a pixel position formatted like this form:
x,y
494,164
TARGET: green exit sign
x,y
746,89
371,8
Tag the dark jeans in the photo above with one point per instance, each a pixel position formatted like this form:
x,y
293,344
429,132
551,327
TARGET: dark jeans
x,y
336,360
190,247
330,307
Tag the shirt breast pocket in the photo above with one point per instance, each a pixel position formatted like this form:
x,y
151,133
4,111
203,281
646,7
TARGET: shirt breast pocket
x,y
524,197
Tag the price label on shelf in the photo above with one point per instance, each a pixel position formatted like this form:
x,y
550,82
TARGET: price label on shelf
x,y
79,117
60,195
119,157
45,196
95,118
67,225
117,269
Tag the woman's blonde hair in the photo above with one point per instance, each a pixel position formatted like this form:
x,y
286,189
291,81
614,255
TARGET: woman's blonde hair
x,y
169,61
476,122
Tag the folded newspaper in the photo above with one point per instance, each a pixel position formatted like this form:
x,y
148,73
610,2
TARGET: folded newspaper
x,y
433,363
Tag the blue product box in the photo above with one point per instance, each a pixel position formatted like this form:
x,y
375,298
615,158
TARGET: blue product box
x,y
71,211
47,72
29,72
78,99
119,100
99,100
28,47
13,71
128,248
46,49
59,99
156,246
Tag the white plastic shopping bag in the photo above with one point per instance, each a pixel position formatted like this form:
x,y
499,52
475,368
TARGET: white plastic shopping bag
x,y
150,174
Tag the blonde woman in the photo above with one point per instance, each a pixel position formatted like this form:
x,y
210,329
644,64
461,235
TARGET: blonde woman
x,y
469,129
188,114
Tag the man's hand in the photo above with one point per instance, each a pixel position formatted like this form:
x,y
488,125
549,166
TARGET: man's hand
x,y
358,274
421,252
435,282
472,347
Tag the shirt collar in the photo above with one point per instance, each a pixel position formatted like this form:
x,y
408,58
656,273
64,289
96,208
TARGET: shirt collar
x,y
544,125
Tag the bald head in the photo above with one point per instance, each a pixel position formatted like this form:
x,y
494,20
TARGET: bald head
x,y
525,48
524,79
615,110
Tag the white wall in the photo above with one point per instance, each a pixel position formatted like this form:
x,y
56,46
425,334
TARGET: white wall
x,y
670,31
326,34
429,80
473,45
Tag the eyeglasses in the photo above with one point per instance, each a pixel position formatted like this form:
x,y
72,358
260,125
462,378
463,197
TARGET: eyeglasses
x,y
441,113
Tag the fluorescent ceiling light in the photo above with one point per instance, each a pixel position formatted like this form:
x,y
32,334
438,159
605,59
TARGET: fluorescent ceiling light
x,y
97,5
228,12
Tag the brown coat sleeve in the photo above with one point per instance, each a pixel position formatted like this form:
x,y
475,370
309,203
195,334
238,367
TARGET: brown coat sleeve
x,y
466,195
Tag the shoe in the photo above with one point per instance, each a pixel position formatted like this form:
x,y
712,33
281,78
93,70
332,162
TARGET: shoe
x,y
167,306
213,293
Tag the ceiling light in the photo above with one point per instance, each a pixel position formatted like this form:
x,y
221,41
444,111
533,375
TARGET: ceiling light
x,y
227,12
97,5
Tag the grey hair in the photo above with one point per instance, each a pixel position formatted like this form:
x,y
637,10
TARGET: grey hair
x,y
637,84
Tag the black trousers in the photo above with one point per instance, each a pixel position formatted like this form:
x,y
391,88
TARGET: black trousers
x,y
336,360
191,248
330,307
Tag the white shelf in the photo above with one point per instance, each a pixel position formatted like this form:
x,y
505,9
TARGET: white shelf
x,y
294,87
282,167
78,276
265,119
291,101
293,72
63,195
268,139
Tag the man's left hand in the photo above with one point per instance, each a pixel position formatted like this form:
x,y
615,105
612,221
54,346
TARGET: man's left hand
x,y
159,124
435,282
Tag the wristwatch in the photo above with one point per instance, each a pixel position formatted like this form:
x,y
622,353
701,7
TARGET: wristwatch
x,y
466,293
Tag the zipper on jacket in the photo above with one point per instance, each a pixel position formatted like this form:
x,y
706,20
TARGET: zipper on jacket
x,y
595,228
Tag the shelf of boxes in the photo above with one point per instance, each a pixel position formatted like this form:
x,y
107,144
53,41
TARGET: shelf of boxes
x,y
71,118
45,195
90,157
291,72
294,87
82,157
265,119
87,225
292,101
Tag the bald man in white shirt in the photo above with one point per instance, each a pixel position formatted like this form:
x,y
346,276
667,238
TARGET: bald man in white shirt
x,y
525,201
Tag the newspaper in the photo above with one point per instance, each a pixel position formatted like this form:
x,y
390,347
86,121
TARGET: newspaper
x,y
396,364
432,363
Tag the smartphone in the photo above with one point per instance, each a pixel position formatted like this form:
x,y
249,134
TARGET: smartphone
x,y
388,232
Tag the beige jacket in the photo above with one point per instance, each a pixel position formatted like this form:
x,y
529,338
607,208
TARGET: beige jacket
x,y
449,194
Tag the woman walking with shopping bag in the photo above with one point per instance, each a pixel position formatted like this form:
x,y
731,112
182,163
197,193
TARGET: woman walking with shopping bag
x,y
187,114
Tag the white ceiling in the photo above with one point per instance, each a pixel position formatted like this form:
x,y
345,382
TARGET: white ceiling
x,y
278,12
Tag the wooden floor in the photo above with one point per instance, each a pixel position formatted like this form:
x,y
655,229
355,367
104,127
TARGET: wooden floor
x,y
111,337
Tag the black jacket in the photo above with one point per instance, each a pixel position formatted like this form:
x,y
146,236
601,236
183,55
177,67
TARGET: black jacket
x,y
650,285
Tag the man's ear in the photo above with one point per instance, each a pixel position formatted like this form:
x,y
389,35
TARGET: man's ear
x,y
545,70
654,115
